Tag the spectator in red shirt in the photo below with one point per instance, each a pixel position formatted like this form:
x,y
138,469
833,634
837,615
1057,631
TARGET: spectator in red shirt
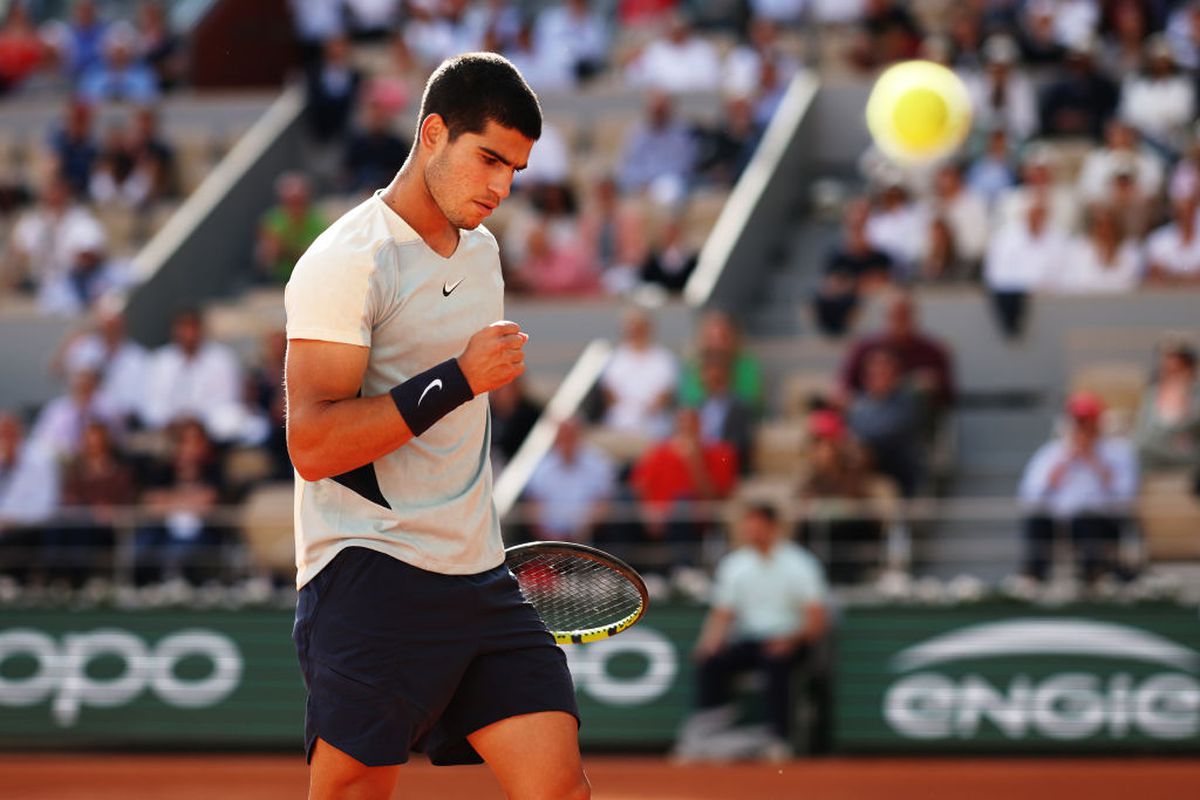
x,y
20,48
924,362
679,470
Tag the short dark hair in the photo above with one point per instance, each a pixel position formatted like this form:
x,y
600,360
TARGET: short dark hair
x,y
469,90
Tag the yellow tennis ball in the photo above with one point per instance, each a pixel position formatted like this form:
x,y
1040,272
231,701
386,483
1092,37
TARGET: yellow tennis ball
x,y
918,111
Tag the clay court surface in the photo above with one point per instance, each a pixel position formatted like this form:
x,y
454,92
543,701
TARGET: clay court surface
x,y
100,777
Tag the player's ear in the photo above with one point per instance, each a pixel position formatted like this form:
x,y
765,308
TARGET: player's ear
x,y
434,132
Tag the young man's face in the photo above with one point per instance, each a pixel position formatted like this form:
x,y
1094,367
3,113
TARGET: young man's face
x,y
469,176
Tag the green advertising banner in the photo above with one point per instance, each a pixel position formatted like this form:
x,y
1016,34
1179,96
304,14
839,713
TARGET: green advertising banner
x,y
1012,678
214,678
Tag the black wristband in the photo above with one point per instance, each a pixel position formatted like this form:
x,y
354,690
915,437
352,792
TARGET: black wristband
x,y
425,398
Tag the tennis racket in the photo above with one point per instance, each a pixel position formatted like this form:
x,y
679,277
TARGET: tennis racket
x,y
582,594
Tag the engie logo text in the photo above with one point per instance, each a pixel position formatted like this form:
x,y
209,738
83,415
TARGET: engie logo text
x,y
1077,679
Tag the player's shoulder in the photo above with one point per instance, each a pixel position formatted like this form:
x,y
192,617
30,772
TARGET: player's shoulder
x,y
485,237
349,245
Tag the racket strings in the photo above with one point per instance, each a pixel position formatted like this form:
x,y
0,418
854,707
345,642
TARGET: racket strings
x,y
575,594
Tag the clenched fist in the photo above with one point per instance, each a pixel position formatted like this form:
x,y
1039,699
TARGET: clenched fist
x,y
494,356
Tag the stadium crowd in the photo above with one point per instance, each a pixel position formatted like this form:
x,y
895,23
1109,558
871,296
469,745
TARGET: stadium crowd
x,y
1082,175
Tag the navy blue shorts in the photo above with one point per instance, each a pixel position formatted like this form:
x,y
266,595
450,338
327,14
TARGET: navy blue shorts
x,y
396,658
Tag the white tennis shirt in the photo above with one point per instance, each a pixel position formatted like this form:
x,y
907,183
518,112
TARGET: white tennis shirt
x,y
370,280
769,594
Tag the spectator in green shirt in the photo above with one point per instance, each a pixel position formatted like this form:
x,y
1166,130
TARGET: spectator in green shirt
x,y
288,229
717,335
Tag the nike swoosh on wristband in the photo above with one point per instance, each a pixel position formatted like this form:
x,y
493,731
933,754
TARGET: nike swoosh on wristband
x,y
448,288
435,384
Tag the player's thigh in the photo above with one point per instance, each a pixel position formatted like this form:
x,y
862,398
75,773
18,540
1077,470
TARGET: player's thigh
x,y
335,775
534,756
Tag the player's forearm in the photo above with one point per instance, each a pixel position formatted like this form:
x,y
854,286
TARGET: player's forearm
x,y
332,437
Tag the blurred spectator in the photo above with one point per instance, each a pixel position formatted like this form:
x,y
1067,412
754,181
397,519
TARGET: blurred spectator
x,y
659,152
1040,45
495,23
1185,177
29,497
374,153
118,178
923,360
375,19
769,610
886,417
545,248
435,31
1002,95
615,236
119,77
514,413
1075,21
743,66
1183,33
574,35
1083,481
91,274
288,229
332,90
1167,430
1122,53
159,47
725,149
1173,251
540,69
855,266
85,46
724,417
895,226
639,381
181,495
549,160
20,47
886,33
97,483
994,171
1103,261
74,147
964,211
834,491
46,240
1159,101
648,13
681,61
121,361
718,336
1121,151
1080,100
681,469
316,22
941,259
1022,256
268,398
1039,187
570,487
153,155
671,261
192,377
60,426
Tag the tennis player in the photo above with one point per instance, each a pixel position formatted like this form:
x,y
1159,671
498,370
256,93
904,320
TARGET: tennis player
x,y
411,632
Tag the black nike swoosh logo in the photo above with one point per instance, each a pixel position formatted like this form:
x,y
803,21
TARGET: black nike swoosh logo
x,y
447,288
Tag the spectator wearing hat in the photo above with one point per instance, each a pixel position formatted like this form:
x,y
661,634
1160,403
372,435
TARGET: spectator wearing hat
x,y
1173,251
834,492
1160,100
1002,95
91,274
1167,430
1080,100
119,77
1082,482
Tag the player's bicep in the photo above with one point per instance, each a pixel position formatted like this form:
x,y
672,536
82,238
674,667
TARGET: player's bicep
x,y
319,373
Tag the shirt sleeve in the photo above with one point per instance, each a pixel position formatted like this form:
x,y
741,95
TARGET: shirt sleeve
x,y
332,296
724,594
